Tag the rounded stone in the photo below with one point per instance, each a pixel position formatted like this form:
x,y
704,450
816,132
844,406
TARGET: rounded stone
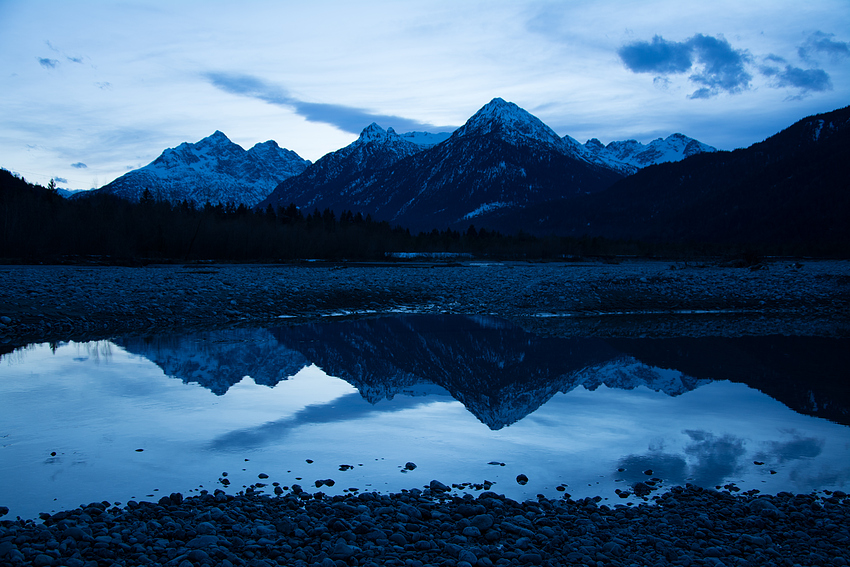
x,y
482,521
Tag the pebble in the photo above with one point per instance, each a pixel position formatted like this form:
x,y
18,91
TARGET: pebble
x,y
365,529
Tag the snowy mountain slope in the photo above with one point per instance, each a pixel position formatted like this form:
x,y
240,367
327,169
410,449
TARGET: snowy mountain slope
x,y
328,182
426,139
630,155
213,170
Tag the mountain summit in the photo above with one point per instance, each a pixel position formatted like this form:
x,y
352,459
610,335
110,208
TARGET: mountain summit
x,y
509,121
213,170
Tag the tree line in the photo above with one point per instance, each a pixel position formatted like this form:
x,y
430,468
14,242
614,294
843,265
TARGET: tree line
x,y
38,224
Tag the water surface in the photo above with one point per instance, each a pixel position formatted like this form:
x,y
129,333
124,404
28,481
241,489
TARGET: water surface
x,y
457,396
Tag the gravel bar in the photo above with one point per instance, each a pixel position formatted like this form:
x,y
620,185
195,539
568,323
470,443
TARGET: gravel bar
x,y
685,526
632,298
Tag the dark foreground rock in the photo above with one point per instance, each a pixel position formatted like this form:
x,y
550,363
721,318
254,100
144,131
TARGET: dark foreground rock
x,y
686,526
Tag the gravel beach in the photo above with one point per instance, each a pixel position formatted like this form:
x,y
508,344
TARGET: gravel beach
x,y
685,526
632,298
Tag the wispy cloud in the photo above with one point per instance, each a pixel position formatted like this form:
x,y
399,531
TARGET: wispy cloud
x,y
63,54
60,180
820,42
346,118
48,63
79,165
714,63
786,75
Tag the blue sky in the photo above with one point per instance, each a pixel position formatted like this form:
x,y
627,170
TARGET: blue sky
x,y
92,89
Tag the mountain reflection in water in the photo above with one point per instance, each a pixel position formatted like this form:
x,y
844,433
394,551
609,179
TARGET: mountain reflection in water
x,y
499,372
81,422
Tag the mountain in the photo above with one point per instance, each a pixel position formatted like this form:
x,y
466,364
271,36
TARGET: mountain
x,y
500,372
330,182
789,191
503,157
629,156
213,170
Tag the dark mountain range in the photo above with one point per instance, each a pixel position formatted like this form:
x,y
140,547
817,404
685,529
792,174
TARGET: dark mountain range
x,y
328,182
500,372
789,189
213,170
502,158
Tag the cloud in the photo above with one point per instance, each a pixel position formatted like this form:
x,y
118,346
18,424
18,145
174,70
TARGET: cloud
x,y
786,75
716,66
820,42
717,458
65,55
48,63
346,118
345,408
723,66
79,165
804,79
60,180
658,56
798,448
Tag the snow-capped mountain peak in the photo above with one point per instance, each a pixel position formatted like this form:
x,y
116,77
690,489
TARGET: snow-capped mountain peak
x,y
388,138
214,170
372,133
510,121
630,155
216,137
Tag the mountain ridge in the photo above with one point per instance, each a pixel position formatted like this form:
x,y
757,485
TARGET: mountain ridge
x,y
789,189
214,170
502,157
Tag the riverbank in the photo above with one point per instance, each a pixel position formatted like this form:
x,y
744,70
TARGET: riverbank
x,y
633,298
685,526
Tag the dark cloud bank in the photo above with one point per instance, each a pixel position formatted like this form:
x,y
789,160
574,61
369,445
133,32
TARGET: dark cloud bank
x,y
716,67
346,118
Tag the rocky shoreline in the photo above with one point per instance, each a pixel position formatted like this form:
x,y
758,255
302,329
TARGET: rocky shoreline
x,y
685,526
632,298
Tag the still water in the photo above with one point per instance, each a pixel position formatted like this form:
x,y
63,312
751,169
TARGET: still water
x,y
465,399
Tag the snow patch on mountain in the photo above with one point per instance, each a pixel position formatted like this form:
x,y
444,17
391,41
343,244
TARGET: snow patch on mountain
x,y
426,139
486,208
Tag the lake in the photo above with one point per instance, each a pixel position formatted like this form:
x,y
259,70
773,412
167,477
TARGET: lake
x,y
391,403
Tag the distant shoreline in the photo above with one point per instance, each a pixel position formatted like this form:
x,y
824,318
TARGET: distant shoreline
x,y
629,298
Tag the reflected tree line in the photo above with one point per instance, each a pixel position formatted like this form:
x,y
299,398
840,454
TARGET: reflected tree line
x,y
36,223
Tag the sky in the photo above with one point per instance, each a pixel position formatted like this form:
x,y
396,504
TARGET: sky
x,y
92,89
